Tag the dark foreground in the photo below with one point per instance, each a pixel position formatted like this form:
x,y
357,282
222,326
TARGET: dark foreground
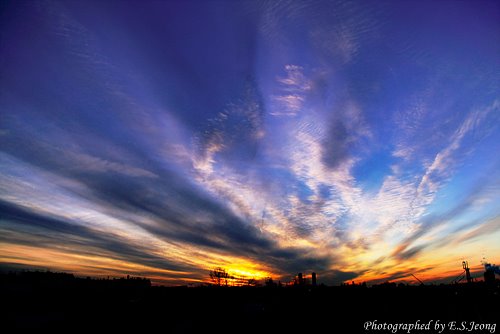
x,y
63,303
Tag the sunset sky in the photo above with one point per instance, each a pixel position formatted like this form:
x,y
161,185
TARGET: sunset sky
x,y
359,140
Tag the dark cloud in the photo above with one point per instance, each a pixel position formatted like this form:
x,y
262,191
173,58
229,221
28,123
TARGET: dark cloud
x,y
293,261
23,226
347,133
237,129
404,251
337,146
181,211
336,277
410,253
187,215
6,267
397,275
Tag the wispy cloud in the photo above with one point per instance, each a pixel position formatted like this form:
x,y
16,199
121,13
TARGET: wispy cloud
x,y
292,92
90,163
442,165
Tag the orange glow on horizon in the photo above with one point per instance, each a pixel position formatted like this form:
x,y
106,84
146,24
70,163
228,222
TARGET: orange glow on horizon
x,y
441,265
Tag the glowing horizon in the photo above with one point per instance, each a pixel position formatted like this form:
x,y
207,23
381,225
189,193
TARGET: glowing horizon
x,y
355,140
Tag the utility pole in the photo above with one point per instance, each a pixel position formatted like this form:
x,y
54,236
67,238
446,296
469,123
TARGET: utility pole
x,y
465,265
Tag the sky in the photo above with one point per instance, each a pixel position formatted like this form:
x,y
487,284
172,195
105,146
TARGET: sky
x,y
356,139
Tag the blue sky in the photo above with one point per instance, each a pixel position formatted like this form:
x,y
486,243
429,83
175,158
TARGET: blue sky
x,y
356,139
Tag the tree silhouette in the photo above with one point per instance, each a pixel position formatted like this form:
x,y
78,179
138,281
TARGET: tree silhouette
x,y
218,275
251,282
269,282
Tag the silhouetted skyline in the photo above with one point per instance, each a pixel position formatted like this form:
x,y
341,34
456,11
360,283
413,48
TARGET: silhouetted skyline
x,y
39,301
